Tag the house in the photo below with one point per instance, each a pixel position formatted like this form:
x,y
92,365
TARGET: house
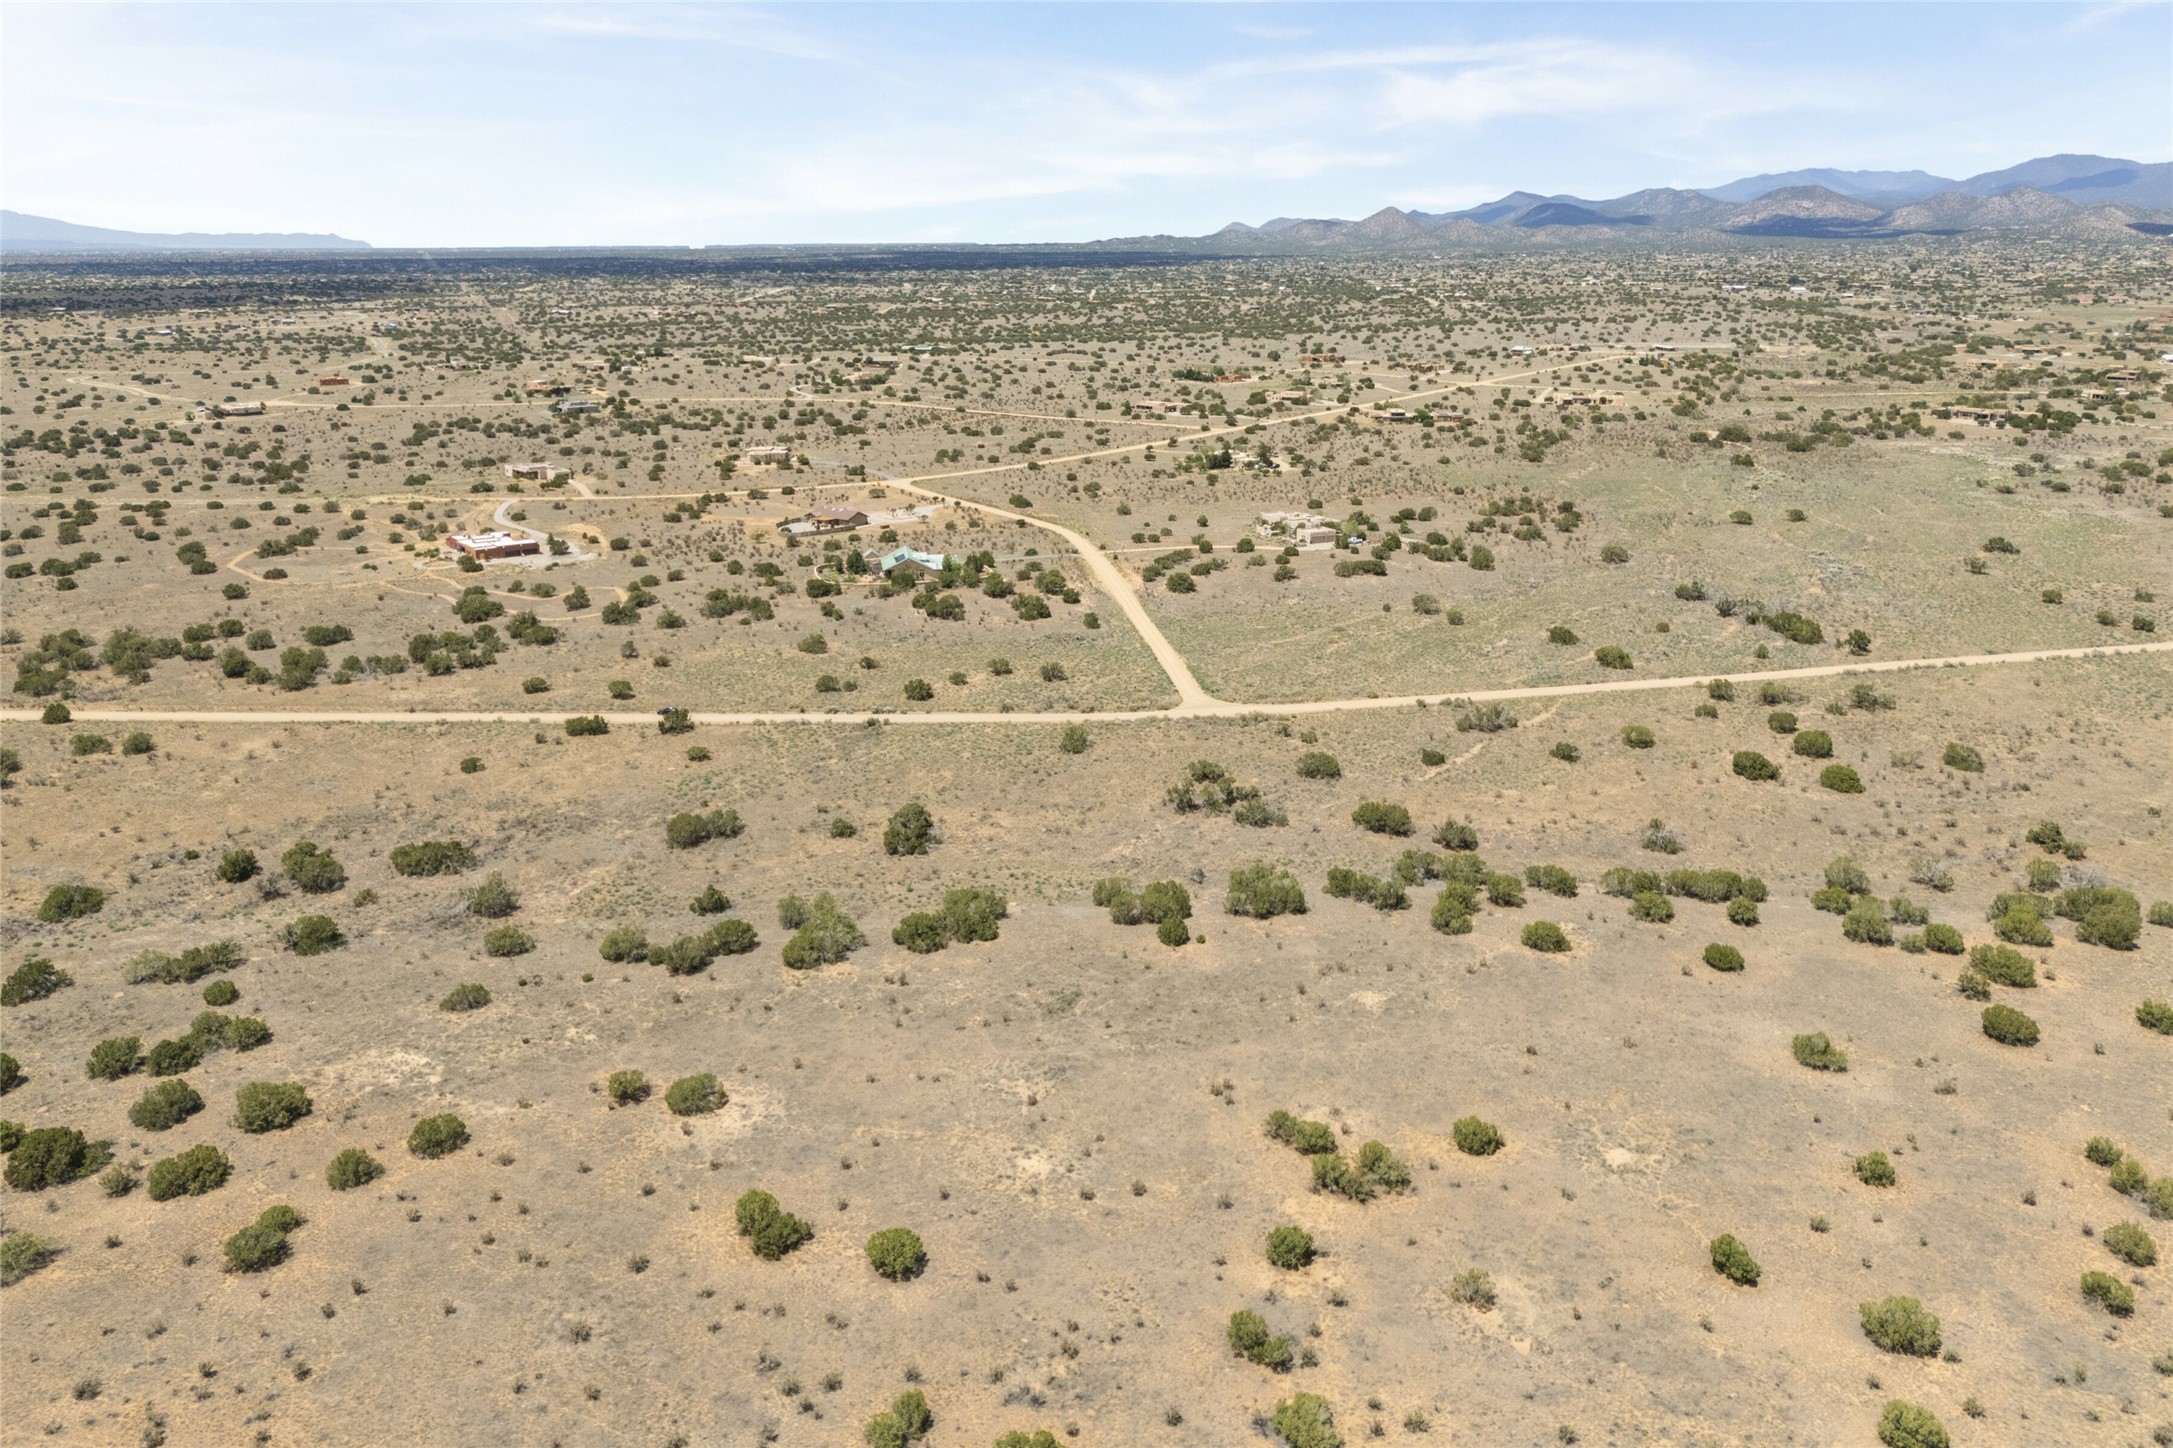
x,y
493,545
839,519
775,453
1154,407
240,409
333,382
1306,530
537,472
908,563
577,404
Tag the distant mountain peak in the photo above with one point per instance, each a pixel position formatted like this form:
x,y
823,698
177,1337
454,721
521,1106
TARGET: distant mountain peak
x,y
20,232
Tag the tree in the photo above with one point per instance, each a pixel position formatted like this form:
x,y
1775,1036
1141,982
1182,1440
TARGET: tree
x,y
63,903
1290,1248
1900,1325
1905,1425
896,1253
313,870
352,1168
906,1421
694,1095
263,1106
49,1156
436,1136
1475,1137
1261,891
192,1173
33,980
910,832
1733,1261
1305,1419
770,1230
824,936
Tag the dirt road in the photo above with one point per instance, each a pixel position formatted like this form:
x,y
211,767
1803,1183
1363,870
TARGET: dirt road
x,y
1203,707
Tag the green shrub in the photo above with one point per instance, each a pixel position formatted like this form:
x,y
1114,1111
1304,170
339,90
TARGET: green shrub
x,y
2020,920
2131,1244
1260,891
584,726
1304,1420
1813,744
1742,910
432,857
1900,1325
312,935
623,944
2109,1292
896,1253
2128,1177
1319,765
1866,922
262,1244
1651,907
1905,1425
1752,765
1475,1137
263,1106
192,1173
171,1058
1290,1248
1545,936
1382,819
685,830
1612,656
2003,966
921,933
824,936
1944,939
1840,779
493,899
1375,1170
1818,1052
49,1156
1456,835
2101,1151
2110,917
910,832
1733,1261
352,1168
1553,879
115,1057
237,866
2161,912
1309,1138
314,871
1250,1339
694,1095
1843,873
906,1421
1164,901
507,940
165,1105
436,1136
22,1254
63,903
2155,1016
33,980
688,955
1964,758
1040,1437
2009,1026
1452,911
472,996
1723,957
627,1088
1637,736
1874,1170
1567,752
769,1229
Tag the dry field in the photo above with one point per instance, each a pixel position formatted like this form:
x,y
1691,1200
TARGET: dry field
x,y
1072,1115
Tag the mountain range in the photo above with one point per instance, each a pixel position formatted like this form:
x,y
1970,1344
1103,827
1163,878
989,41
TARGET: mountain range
x,y
21,232
2078,195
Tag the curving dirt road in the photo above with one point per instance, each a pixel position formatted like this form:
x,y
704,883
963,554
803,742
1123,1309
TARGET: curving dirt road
x,y
1203,708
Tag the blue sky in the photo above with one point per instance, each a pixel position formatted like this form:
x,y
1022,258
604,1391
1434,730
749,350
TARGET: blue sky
x,y
602,123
